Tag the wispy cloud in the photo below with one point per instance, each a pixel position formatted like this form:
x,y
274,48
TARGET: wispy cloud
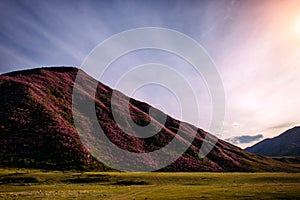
x,y
245,139
260,69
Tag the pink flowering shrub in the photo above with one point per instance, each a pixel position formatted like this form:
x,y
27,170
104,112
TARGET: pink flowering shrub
x,y
37,128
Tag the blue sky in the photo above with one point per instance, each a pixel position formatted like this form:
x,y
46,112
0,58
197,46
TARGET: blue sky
x,y
255,46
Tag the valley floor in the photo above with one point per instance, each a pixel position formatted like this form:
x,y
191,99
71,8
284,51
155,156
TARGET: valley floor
x,y
36,184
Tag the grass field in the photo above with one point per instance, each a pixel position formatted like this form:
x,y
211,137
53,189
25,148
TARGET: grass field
x,y
36,184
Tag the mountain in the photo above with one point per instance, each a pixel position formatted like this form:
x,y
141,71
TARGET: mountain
x,y
37,128
286,144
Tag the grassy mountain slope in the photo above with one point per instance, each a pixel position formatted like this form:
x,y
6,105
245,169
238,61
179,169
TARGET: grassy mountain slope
x,y
37,128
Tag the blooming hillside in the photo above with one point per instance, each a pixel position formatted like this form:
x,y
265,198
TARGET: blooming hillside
x,y
37,128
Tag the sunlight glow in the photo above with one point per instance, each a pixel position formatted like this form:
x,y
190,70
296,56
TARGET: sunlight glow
x,y
250,102
296,25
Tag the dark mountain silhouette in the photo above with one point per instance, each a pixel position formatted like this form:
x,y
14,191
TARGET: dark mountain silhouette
x,y
286,144
37,128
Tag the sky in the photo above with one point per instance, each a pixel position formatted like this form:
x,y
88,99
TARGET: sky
x,y
254,44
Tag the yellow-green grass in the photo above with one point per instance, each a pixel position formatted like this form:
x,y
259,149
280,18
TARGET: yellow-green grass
x,y
36,184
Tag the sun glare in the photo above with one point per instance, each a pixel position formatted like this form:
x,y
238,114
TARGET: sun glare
x,y
296,25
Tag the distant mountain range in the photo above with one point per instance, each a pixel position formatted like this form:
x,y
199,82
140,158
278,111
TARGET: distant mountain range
x,y
37,128
286,144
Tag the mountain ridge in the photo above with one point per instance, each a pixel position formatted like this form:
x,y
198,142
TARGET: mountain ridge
x,y
285,144
38,131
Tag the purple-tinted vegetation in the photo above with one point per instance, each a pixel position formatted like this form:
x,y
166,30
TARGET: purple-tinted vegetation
x,y
37,129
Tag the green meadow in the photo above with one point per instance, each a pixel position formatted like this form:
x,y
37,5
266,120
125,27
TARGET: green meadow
x,y
37,184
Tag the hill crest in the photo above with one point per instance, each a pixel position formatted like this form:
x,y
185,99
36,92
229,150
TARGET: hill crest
x,y
37,129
